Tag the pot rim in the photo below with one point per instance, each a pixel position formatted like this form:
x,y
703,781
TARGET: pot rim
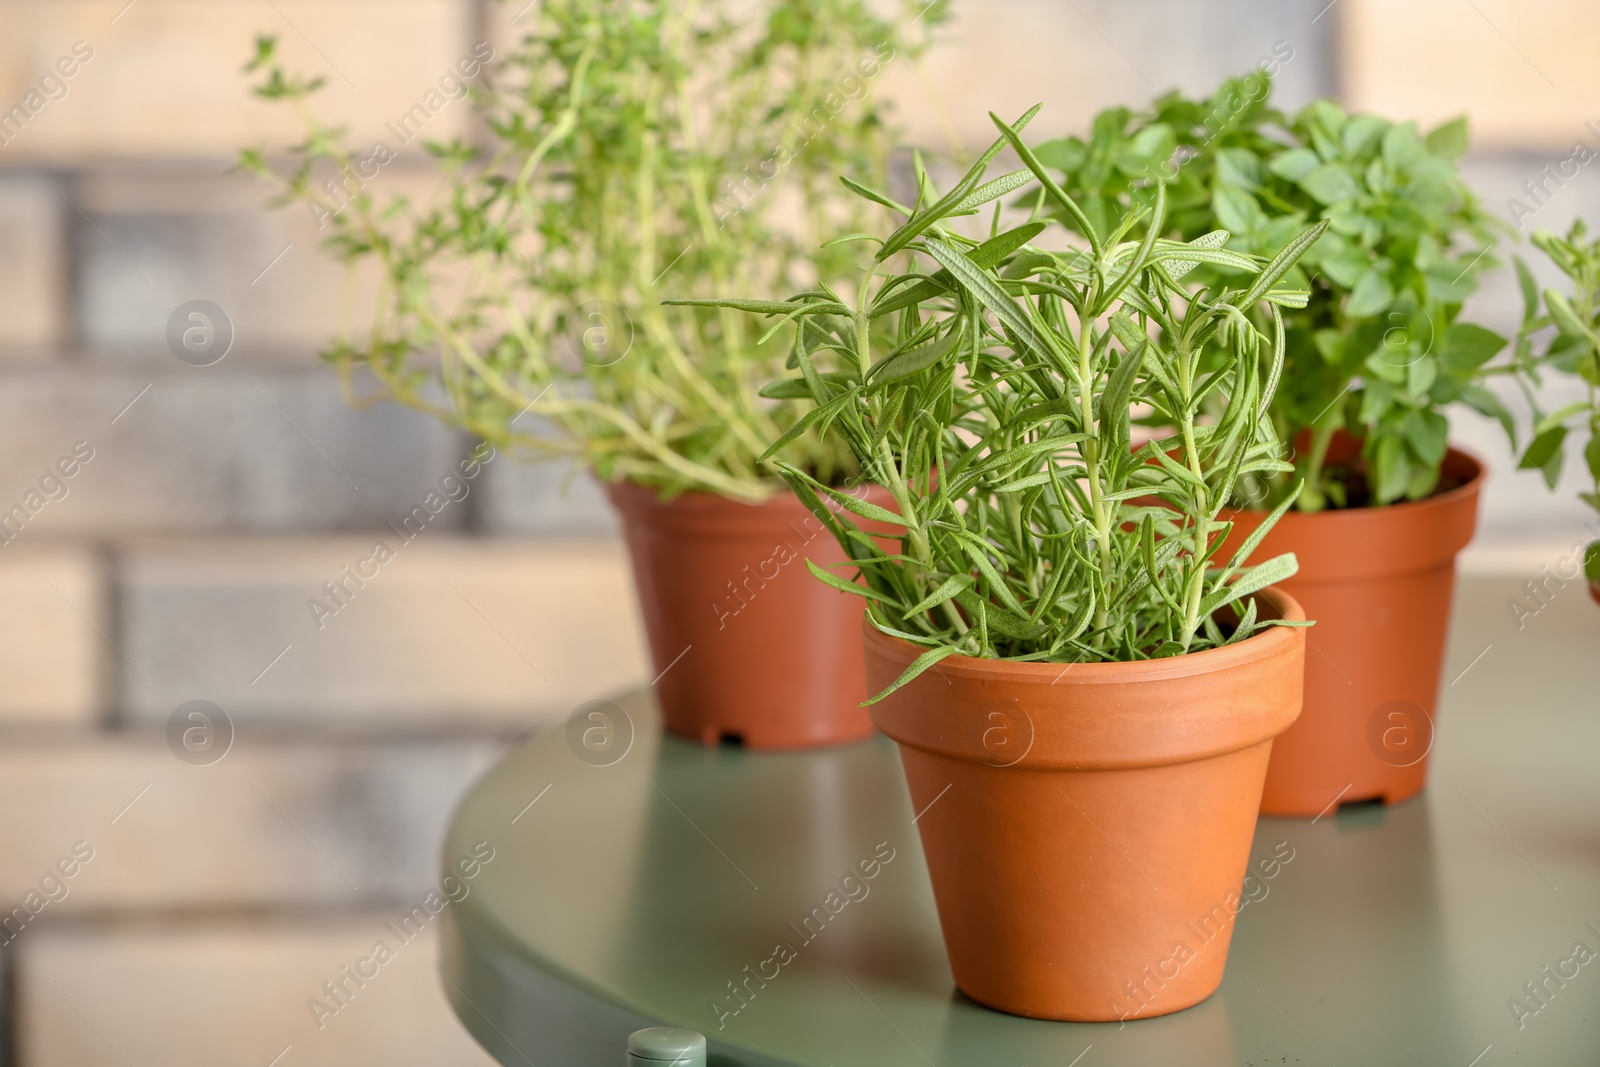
x,y
1465,491
626,492
776,487
1115,672
705,513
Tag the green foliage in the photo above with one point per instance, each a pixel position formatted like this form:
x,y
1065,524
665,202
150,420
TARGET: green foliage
x,y
1572,350
633,148
992,386
1378,351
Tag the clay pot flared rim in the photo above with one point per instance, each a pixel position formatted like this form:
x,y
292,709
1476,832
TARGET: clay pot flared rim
x,y
1261,646
694,504
1470,487
1100,716
706,512
1343,545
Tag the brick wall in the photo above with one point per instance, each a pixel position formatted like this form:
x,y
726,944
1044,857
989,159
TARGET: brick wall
x,y
216,501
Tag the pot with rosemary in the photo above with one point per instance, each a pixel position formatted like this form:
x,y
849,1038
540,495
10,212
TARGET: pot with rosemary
x,y
1055,639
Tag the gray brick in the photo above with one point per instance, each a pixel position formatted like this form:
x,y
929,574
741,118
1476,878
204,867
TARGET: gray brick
x,y
449,631
1498,178
147,242
546,499
234,992
241,446
1082,57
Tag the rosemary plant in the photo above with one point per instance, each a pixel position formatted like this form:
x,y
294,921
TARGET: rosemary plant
x,y
1380,350
992,385
1574,349
634,147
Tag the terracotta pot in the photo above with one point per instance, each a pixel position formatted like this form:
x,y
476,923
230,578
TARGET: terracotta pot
x,y
748,645
1087,827
1378,581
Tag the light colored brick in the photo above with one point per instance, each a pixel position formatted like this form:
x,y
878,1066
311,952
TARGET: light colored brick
x,y
233,993
449,631
235,447
1498,180
53,658
1525,74
273,823
33,271
1079,58
164,80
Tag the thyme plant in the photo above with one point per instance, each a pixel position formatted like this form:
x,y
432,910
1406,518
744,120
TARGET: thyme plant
x,y
992,387
633,148
1381,350
1573,349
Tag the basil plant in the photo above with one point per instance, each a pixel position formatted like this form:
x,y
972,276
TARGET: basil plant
x,y
1380,350
994,384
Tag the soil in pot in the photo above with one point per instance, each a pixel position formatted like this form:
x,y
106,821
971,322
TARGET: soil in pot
x,y
746,644
1379,582
1087,827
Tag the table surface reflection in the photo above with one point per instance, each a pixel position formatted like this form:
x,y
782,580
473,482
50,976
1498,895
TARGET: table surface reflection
x,y
638,893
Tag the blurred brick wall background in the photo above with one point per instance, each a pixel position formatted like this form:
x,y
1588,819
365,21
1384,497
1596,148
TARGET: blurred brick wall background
x,y
219,499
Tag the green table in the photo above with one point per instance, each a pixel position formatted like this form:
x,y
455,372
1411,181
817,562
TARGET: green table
x,y
632,894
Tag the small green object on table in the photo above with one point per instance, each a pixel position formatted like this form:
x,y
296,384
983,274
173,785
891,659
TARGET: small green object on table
x,y
666,1046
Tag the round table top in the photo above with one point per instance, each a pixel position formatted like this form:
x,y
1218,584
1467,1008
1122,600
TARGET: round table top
x,y
657,890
